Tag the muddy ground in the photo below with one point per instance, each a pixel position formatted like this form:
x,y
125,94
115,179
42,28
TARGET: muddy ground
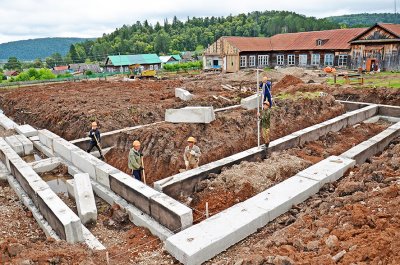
x,y
232,132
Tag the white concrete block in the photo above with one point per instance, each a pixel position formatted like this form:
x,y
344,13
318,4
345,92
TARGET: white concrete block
x,y
91,240
26,143
15,144
70,183
190,115
171,213
64,148
63,220
42,148
84,163
7,123
26,130
183,94
73,170
46,165
328,170
103,172
46,137
84,198
251,102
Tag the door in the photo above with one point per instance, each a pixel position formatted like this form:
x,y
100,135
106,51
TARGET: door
x,y
303,59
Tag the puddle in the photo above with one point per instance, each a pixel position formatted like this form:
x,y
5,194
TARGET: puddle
x,y
57,182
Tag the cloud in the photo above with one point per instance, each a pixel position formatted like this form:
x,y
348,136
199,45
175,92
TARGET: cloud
x,y
89,18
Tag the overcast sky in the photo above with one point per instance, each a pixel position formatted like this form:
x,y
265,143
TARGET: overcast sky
x,y
26,19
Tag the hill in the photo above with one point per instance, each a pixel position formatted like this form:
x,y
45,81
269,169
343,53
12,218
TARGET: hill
x,y
365,19
37,48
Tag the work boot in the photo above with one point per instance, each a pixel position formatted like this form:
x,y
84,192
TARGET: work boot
x,y
265,150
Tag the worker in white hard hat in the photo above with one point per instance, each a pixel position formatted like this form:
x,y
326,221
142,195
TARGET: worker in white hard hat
x,y
192,154
95,139
266,87
135,160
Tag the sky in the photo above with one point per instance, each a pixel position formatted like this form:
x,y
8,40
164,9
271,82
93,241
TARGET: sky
x,y
27,19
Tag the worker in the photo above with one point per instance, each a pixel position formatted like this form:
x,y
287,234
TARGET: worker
x,y
95,139
266,86
135,161
192,154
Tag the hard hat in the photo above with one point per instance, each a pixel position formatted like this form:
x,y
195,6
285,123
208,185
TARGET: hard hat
x,y
191,139
136,143
94,123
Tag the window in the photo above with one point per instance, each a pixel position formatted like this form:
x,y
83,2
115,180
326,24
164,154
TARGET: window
x,y
156,67
319,42
329,59
263,60
280,59
151,67
315,59
303,59
243,61
342,60
252,60
291,59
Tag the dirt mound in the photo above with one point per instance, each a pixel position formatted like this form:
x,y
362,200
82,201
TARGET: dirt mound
x,y
232,132
284,83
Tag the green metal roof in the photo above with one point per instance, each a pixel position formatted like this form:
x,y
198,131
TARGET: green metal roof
x,y
118,60
177,57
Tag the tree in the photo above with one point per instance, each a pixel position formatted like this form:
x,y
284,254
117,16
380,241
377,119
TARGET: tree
x,y
38,63
13,64
161,42
73,54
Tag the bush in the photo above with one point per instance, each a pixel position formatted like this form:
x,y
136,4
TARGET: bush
x,y
183,66
66,75
88,72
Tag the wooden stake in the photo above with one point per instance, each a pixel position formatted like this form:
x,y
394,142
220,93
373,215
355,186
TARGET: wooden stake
x,y
107,258
207,210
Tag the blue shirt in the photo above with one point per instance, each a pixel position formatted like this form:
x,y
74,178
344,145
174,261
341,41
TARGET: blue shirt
x,y
267,92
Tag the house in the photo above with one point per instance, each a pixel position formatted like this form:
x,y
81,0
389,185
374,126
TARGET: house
x,y
304,49
187,56
62,69
170,59
378,47
121,63
82,67
11,73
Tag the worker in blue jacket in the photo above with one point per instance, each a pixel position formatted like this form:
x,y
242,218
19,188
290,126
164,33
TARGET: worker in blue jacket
x,y
265,114
94,135
266,86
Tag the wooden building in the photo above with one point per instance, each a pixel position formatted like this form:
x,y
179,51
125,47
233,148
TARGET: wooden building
x,y
121,63
377,48
305,49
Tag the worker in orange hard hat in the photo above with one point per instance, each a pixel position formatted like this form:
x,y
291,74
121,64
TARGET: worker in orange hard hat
x,y
95,139
192,154
135,161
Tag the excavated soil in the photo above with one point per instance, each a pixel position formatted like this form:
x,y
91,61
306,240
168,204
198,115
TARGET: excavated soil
x,y
230,133
240,182
67,109
357,217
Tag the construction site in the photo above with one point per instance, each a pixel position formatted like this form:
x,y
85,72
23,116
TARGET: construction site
x,y
325,190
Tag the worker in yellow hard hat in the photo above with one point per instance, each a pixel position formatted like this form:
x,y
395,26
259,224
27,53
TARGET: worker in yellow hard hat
x,y
135,161
192,154
95,139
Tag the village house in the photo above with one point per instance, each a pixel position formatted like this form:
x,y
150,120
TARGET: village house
x,y
170,59
121,63
307,49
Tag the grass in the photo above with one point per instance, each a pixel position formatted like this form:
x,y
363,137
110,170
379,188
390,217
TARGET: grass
x,y
382,79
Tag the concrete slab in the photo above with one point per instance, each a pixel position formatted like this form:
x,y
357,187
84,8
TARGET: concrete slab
x,y
387,110
15,144
136,216
26,130
7,123
183,94
91,240
103,173
328,170
42,148
26,143
46,137
171,213
72,170
84,198
132,190
64,148
251,102
46,165
70,183
84,163
190,115
61,218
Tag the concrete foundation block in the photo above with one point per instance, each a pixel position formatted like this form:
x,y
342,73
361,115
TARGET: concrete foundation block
x,y
183,94
70,183
46,137
103,173
85,162
203,241
171,213
393,111
91,240
328,170
43,149
84,198
190,115
61,218
15,144
7,123
251,102
132,190
26,143
64,148
284,143
26,130
73,170
46,165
